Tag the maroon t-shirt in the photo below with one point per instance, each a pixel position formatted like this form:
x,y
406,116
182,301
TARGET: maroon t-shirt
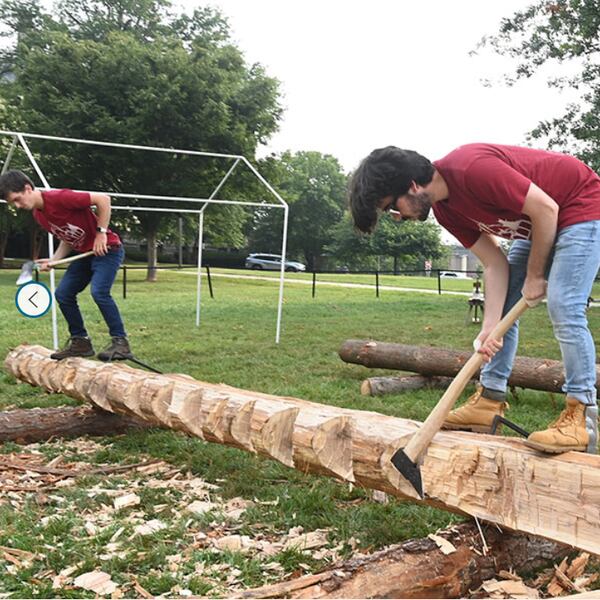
x,y
68,216
487,185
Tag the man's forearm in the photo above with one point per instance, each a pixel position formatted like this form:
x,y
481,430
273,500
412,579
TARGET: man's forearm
x,y
496,286
62,251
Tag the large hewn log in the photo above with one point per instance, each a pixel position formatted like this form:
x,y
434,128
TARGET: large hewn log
x,y
533,373
495,479
36,424
419,569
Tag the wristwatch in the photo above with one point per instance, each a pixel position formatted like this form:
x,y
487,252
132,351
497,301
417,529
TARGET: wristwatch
x,y
101,229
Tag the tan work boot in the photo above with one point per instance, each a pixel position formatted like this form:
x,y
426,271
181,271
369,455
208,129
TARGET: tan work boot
x,y
476,414
575,429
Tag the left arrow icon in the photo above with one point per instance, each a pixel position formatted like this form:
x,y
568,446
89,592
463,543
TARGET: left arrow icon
x,y
31,299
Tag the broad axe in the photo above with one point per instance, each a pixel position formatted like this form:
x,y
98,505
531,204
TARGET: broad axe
x,y
406,459
30,266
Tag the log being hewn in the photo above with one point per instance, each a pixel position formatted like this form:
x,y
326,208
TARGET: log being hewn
x,y
379,386
532,373
419,569
493,478
38,424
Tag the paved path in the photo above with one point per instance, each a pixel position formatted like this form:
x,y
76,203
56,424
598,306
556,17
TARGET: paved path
x,y
321,283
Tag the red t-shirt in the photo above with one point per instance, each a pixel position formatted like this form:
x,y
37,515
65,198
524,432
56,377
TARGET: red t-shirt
x,y
68,216
487,185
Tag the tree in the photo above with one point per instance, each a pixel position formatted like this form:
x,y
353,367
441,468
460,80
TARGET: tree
x,y
554,33
128,71
314,186
409,243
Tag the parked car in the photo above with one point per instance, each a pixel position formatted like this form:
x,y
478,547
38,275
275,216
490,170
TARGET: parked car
x,y
271,262
454,274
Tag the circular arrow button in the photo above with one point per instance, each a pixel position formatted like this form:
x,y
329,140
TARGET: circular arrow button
x,y
33,299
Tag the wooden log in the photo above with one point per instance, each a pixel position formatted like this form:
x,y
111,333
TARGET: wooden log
x,y
39,424
493,478
532,373
419,569
379,386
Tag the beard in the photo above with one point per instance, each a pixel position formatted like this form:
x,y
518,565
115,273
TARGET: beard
x,y
421,203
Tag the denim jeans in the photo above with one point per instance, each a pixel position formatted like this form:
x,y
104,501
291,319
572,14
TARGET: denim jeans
x,y
100,272
572,269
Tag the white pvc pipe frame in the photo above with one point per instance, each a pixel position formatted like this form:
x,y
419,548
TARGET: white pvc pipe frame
x,y
20,138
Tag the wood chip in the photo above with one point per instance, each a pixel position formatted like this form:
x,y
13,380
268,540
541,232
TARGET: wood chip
x,y
126,501
198,507
96,581
308,541
150,527
509,589
442,543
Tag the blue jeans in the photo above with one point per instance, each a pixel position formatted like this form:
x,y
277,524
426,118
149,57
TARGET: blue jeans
x,y
100,272
573,267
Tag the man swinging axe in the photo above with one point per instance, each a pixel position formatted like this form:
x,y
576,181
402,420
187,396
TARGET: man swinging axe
x,y
69,217
548,204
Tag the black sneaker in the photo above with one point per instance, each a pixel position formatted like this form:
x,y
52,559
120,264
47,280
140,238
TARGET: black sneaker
x,y
118,350
76,346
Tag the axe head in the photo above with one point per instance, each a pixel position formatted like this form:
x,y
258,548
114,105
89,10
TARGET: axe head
x,y
26,274
409,470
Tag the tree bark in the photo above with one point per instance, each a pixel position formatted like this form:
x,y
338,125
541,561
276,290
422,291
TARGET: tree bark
x,y
378,386
532,373
493,478
419,569
36,424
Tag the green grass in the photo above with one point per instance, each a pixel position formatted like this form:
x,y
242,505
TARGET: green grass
x,y
235,345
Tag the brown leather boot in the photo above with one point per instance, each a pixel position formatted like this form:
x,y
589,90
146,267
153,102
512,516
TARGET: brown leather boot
x,y
476,414
117,350
573,430
76,346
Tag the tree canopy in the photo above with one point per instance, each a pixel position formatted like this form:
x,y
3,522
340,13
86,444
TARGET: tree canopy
x,y
554,33
129,71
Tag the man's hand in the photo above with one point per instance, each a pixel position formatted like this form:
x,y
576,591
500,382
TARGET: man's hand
x,y
534,289
100,245
485,345
43,264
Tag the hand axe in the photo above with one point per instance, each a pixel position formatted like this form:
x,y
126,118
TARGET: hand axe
x,y
30,266
406,459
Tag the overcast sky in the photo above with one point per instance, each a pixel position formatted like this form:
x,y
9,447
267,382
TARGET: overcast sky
x,y
357,75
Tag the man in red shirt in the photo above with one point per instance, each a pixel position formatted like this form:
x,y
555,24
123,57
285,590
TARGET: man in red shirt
x,y
548,204
69,217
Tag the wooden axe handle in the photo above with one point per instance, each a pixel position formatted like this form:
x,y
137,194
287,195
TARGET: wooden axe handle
x,y
421,440
69,259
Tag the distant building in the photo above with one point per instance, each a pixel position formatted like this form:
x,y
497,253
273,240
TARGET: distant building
x,y
462,259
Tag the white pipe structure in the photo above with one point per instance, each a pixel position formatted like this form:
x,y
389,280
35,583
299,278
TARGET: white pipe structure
x,y
20,137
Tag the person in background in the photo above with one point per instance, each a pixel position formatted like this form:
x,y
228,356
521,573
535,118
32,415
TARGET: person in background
x,y
68,215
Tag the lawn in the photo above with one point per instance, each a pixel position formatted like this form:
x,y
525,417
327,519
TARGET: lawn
x,y
75,526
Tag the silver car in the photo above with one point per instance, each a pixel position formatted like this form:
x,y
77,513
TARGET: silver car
x,y
271,262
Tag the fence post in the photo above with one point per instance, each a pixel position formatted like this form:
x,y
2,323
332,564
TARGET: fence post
x,y
377,283
314,284
209,280
439,282
124,282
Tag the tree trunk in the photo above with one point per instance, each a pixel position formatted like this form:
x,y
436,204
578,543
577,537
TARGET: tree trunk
x,y
533,373
419,569
3,243
37,238
378,386
493,478
37,424
151,273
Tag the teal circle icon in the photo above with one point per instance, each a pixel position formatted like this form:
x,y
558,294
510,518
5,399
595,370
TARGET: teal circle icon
x,y
33,299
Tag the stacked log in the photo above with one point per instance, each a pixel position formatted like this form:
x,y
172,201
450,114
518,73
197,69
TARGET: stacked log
x,y
495,479
531,373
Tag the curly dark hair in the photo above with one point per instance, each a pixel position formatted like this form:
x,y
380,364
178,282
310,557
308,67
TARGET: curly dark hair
x,y
385,172
13,181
